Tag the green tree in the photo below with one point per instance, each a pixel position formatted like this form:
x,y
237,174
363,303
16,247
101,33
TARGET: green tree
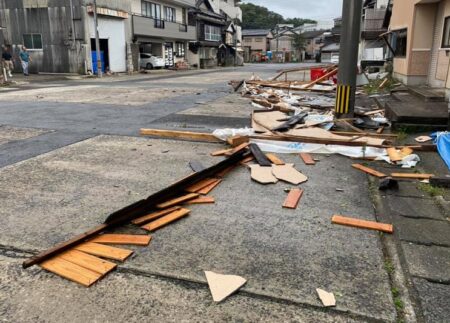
x,y
298,42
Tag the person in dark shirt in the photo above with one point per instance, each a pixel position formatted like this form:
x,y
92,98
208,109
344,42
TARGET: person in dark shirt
x,y
7,62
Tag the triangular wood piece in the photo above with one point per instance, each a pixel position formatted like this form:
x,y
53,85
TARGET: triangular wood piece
x,y
326,297
222,286
288,174
133,239
155,215
262,174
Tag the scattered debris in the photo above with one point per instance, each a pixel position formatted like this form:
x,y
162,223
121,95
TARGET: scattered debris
x,y
326,297
222,286
368,170
201,200
131,239
166,219
288,174
371,225
307,159
261,159
274,159
262,174
293,198
423,139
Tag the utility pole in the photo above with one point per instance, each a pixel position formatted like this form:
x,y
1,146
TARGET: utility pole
x,y
348,58
278,42
97,43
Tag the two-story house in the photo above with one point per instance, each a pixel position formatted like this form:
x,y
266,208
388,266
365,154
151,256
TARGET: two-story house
x,y
314,41
282,44
256,42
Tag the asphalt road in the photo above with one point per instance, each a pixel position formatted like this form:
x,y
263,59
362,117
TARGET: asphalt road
x,y
70,154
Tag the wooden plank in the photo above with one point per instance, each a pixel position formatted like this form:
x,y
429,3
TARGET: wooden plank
x,y
248,159
412,175
293,198
357,223
198,186
259,156
169,218
237,140
366,134
209,188
240,147
87,261
132,239
100,250
201,200
71,271
188,135
177,200
368,170
221,152
307,159
137,209
274,159
154,215
394,155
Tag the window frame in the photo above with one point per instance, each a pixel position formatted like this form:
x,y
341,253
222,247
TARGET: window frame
x,y
404,52
173,14
446,26
152,10
212,30
180,48
32,47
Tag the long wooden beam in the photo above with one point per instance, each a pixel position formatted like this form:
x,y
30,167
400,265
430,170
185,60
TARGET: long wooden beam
x,y
187,135
139,208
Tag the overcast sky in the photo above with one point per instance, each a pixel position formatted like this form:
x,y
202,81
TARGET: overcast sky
x,y
314,9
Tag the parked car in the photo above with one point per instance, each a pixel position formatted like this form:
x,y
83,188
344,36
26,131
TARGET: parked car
x,y
335,58
150,61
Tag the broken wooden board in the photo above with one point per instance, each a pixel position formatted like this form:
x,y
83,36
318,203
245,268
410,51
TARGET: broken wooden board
x,y
222,286
394,155
154,215
261,159
71,271
165,220
201,200
262,175
368,170
237,140
132,239
293,198
177,200
412,175
221,152
307,159
288,173
101,250
326,297
357,223
88,261
210,187
202,184
188,135
274,159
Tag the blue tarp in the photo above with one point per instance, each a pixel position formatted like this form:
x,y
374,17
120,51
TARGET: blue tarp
x,y
442,141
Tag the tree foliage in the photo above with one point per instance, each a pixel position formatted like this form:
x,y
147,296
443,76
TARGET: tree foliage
x,y
259,17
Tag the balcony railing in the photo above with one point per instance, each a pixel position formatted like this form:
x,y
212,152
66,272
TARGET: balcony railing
x,y
159,23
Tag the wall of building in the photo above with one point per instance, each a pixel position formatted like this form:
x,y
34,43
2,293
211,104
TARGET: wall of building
x,y
257,43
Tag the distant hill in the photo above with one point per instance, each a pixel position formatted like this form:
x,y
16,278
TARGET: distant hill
x,y
259,17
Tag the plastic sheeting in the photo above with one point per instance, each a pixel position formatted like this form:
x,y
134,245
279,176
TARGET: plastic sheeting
x,y
442,141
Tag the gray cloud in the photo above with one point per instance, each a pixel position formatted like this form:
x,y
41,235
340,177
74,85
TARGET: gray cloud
x,y
314,9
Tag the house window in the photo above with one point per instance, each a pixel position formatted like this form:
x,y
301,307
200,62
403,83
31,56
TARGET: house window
x,y
32,41
399,40
213,33
180,49
446,33
169,13
151,10
258,39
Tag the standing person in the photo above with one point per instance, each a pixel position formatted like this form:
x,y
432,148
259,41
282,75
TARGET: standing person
x,y
7,62
25,59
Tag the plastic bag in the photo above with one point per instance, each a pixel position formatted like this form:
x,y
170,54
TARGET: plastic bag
x,y
224,134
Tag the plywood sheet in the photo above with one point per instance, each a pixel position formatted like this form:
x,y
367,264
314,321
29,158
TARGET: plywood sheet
x,y
169,218
101,250
288,174
262,174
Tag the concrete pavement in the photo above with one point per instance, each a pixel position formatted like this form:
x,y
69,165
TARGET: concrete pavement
x,y
68,159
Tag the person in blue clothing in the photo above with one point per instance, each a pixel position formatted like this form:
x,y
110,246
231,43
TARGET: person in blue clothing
x,y
25,59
